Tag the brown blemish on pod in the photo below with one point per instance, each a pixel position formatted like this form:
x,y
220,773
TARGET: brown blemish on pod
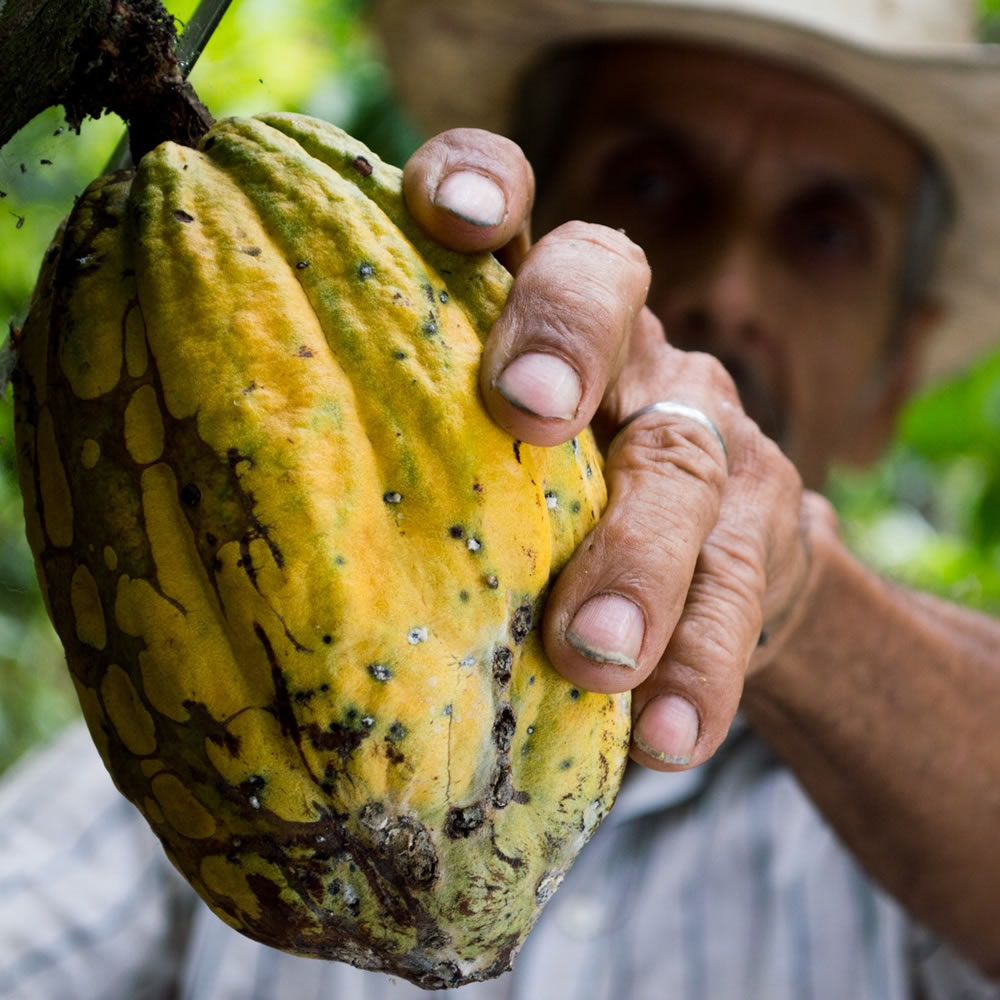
x,y
405,843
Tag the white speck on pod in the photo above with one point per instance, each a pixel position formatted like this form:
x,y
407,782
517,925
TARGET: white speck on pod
x,y
551,500
473,544
416,635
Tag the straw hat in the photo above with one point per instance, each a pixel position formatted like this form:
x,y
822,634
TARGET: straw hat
x,y
459,62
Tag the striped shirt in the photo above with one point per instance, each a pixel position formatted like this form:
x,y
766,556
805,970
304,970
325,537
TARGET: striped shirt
x,y
721,883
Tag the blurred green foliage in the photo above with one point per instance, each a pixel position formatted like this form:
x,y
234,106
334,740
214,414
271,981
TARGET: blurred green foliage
x,y
929,514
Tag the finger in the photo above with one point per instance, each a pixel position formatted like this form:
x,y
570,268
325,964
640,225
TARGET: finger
x,y
470,190
616,603
563,333
684,709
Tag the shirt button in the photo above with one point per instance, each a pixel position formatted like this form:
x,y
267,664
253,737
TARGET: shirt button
x,y
582,917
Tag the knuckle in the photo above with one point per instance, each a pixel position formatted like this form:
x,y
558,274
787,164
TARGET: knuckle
x,y
593,237
665,448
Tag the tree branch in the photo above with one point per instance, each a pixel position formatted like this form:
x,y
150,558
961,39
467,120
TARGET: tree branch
x,y
93,56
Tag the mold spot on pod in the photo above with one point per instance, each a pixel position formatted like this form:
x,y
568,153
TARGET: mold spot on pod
x,y
503,663
520,623
462,822
504,726
379,672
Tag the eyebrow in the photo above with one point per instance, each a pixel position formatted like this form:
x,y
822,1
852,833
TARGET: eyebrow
x,y
865,187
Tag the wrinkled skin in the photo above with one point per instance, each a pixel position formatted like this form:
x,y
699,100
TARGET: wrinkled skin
x,y
768,269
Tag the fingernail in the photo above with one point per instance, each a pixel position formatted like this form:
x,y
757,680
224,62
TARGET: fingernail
x,y
473,197
668,729
608,629
542,385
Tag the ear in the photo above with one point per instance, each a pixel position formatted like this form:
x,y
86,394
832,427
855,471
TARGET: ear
x,y
893,384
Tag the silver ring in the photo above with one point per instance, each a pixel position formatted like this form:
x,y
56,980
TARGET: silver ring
x,y
671,408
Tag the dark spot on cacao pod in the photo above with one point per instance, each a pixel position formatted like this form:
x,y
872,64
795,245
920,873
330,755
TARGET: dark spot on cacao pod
x,y
210,538
392,497
306,352
492,582
362,165
517,451
408,845
344,740
520,623
399,355
503,728
303,697
190,495
443,297
566,764
301,265
252,251
379,671
575,507
463,821
373,816
366,270
327,639
456,531
367,721
574,693
503,788
430,326
323,688
396,731
181,216
521,798
463,596
503,664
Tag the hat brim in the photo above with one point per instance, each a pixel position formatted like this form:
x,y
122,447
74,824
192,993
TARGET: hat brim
x,y
462,64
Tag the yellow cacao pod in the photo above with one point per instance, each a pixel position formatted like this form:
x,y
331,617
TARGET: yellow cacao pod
x,y
295,567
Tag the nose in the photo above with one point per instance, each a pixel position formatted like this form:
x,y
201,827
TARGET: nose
x,y
717,303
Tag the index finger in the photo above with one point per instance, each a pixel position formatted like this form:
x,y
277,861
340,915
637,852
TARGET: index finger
x,y
471,190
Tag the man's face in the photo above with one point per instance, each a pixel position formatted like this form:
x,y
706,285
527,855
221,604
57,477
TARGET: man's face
x,y
773,210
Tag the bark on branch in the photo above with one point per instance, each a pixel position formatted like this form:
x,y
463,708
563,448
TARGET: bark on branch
x,y
93,56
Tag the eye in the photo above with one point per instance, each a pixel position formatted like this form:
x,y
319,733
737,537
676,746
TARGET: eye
x,y
652,185
827,228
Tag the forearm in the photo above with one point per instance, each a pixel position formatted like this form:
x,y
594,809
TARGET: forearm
x,y
885,703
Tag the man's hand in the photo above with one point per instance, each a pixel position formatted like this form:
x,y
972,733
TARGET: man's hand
x,y
703,550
